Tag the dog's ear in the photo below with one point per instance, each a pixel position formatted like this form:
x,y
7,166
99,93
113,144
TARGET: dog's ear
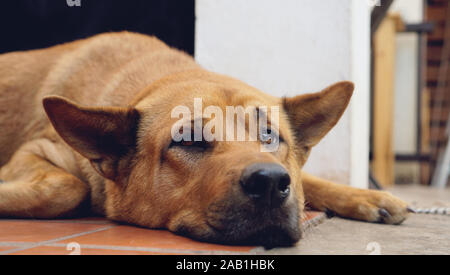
x,y
103,135
312,116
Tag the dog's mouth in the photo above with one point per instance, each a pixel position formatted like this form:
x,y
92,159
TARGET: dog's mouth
x,y
269,228
274,236
269,236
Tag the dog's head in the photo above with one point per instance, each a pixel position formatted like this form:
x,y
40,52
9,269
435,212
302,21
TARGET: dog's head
x,y
226,191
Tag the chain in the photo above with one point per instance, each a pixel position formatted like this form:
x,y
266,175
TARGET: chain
x,y
433,211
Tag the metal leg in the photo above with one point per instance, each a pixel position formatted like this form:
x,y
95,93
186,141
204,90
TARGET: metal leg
x,y
442,171
373,182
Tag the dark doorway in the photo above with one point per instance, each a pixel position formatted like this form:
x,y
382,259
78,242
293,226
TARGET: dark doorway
x,y
33,24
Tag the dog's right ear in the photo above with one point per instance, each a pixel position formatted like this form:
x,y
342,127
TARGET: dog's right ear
x,y
103,135
312,116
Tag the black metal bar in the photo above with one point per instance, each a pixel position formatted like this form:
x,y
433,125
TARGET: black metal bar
x,y
412,157
378,14
420,61
425,27
408,157
373,182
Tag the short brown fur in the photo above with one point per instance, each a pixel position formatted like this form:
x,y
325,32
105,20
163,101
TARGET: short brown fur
x,y
104,145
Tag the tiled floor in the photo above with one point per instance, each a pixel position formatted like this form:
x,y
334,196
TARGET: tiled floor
x,y
93,236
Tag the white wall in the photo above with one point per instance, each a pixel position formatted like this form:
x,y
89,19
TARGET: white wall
x,y
360,66
289,47
405,124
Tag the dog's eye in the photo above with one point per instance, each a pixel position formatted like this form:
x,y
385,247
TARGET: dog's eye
x,y
203,145
270,137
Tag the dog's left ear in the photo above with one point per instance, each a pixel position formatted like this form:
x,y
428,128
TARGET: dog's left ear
x,y
312,116
103,135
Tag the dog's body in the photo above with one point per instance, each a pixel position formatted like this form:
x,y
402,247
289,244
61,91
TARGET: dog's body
x,y
106,70
119,161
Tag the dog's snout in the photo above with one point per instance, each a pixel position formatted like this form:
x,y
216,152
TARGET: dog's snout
x,y
266,183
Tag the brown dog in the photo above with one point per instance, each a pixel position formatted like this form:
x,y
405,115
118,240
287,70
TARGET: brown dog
x,y
120,161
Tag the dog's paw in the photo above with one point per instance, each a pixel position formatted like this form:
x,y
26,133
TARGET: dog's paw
x,y
376,206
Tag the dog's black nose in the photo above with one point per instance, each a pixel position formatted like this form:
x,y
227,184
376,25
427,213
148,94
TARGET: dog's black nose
x,y
266,183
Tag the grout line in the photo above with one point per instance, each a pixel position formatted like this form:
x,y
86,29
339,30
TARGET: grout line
x,y
99,222
16,244
152,249
43,243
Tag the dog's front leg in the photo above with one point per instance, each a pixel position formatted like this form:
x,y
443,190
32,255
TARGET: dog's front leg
x,y
33,187
349,202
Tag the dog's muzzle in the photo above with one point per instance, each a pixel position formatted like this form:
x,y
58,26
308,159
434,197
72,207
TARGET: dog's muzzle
x,y
267,184
258,210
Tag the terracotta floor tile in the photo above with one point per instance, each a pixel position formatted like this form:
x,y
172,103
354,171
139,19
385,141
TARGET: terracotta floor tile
x,y
36,231
4,248
89,220
311,215
121,235
48,250
94,219
139,237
